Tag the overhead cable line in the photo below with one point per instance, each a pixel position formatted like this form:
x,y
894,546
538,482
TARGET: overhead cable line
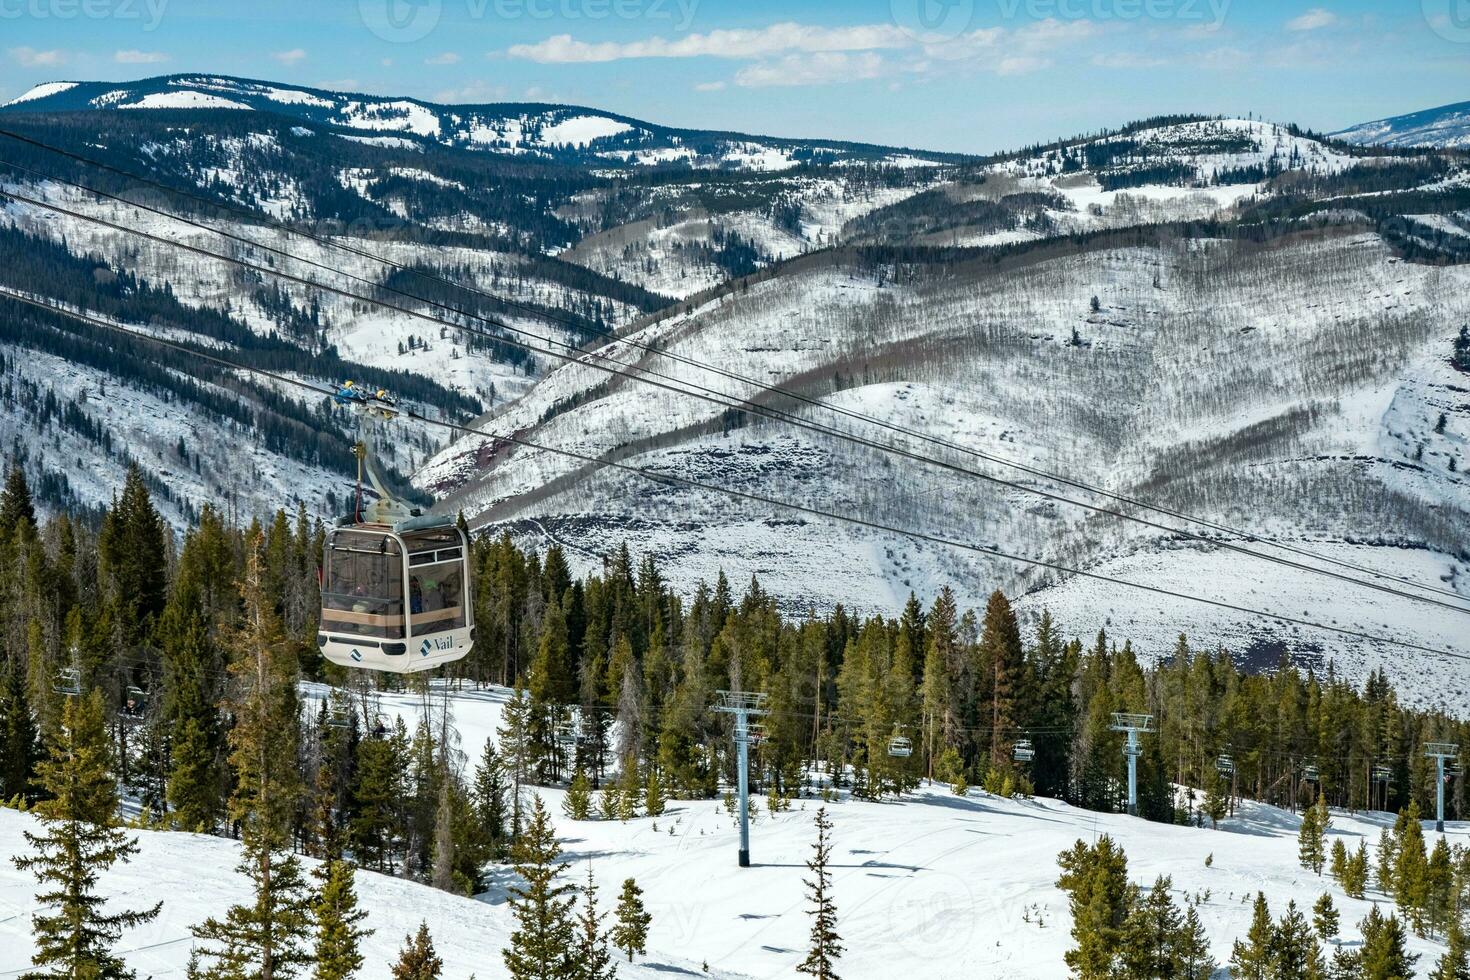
x,y
669,479
676,386
330,242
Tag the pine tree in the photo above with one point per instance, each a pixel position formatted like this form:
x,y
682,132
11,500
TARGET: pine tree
x,y
593,960
577,804
1251,957
1411,873
1337,866
1294,953
266,939
338,935
1099,897
1325,918
1383,956
74,938
1388,860
826,944
1150,933
630,931
418,961
15,504
1355,873
542,945
1193,959
1312,838
489,796
653,797
1455,963
20,747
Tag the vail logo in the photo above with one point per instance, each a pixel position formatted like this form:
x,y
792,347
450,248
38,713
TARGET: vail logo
x,y
424,649
355,655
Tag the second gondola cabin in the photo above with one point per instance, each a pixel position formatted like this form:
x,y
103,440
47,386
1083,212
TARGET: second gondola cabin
x,y
398,597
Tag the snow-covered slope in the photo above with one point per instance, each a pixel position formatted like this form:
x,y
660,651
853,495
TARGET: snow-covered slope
x,y
947,887
1447,126
566,133
1293,388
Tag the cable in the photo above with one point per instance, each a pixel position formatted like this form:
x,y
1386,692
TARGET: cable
x,y
720,399
684,482
653,349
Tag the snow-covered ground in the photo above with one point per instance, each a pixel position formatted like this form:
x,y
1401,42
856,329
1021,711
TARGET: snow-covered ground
x,y
942,886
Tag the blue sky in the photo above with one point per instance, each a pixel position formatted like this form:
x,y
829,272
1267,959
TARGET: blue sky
x,y
969,75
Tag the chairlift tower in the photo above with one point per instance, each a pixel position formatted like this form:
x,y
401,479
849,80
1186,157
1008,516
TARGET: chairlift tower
x,y
1439,752
1133,725
744,705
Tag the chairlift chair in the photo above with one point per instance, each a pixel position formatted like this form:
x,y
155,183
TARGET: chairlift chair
x,y
1022,751
900,747
1225,765
68,682
1310,774
336,715
135,703
1382,774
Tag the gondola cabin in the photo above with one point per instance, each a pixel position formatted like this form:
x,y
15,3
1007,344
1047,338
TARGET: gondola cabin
x,y
396,598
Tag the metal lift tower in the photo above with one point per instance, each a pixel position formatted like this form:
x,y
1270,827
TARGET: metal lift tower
x,y
1440,751
744,705
1133,725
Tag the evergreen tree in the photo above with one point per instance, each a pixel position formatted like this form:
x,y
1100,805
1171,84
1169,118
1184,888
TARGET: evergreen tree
x,y
1151,934
489,796
338,936
653,797
1251,957
630,931
1099,897
826,944
1325,918
1383,956
578,802
16,508
542,947
418,961
1194,961
1355,872
1455,963
1294,953
20,746
1337,865
1312,838
80,839
266,939
593,960
1411,873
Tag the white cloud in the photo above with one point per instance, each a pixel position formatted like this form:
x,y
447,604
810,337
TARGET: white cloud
x,y
1021,64
1314,19
1127,60
133,56
31,58
821,68
447,58
709,86
476,91
293,57
740,44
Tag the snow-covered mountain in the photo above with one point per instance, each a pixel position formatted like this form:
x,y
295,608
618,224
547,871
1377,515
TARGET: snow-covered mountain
x,y
916,881
1104,310
1228,317
1446,127
569,134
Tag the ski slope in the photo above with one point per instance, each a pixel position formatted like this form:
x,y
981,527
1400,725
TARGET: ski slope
x,y
948,887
